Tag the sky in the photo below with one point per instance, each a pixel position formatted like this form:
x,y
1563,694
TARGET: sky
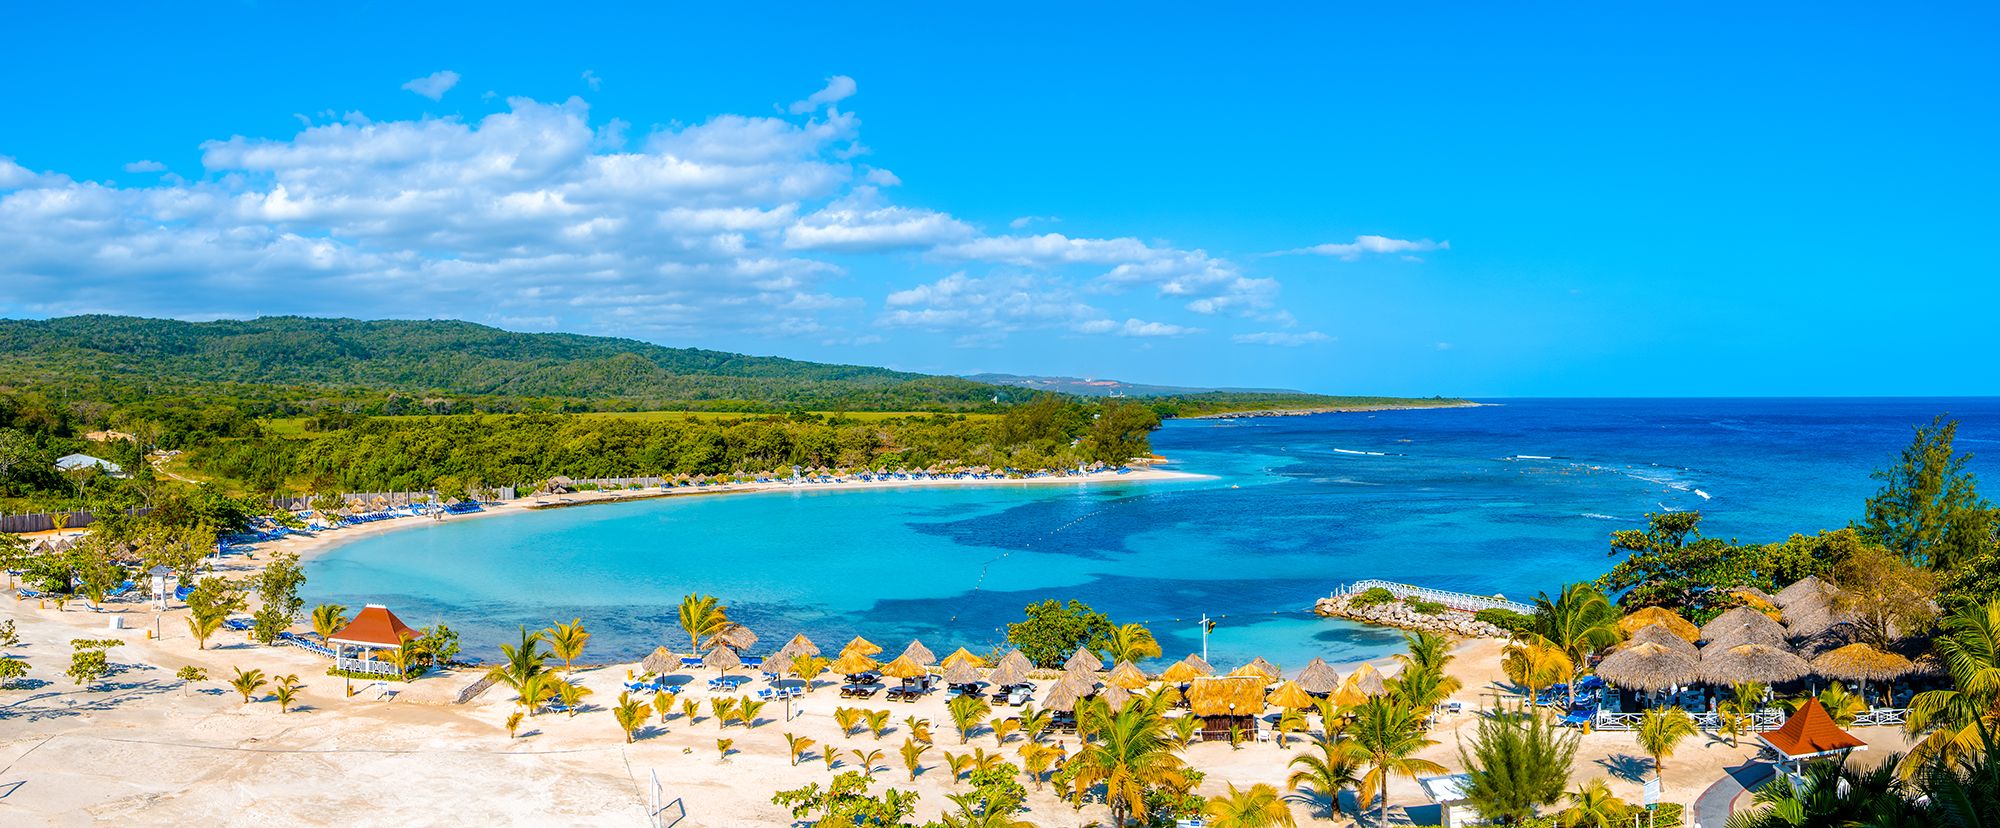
x,y
1461,199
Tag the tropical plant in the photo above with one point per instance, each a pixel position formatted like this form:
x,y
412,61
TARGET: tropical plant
x,y
690,710
798,745
1591,805
1388,735
967,712
663,703
1290,721
1035,722
1258,806
536,691
285,690
846,802
521,668
1182,730
1333,766
571,694
189,674
1660,730
248,682
918,728
1130,642
976,810
202,627
86,665
1036,759
1830,793
848,719
1579,622
721,709
1949,720
1003,728
513,723
1053,630
959,763
868,759
632,714
830,756
1516,764
1737,711
1841,706
877,722
913,756
567,642
328,619
809,667
747,710
702,616
1332,717
1131,756
724,747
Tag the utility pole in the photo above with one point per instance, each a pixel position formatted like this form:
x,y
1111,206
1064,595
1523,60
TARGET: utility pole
x,y
1206,625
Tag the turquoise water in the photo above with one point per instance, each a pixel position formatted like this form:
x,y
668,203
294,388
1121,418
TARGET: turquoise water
x,y
1515,498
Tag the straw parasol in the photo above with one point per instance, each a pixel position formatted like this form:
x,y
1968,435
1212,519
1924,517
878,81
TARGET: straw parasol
x,y
904,667
722,658
734,636
1258,667
960,672
919,653
1084,660
659,661
1361,684
798,646
1020,662
1127,676
1861,662
861,645
1741,619
853,662
1756,634
1650,616
1318,678
1810,617
1114,696
1750,662
1649,666
1750,593
1005,675
1179,673
963,655
1809,585
1199,664
1063,697
1290,695
1657,634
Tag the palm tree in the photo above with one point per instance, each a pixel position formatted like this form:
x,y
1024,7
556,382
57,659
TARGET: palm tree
x,y
1257,807
520,666
1033,722
809,667
571,694
1424,651
1535,666
202,627
877,722
1831,793
1965,793
702,616
1388,734
1516,764
535,690
848,718
1949,720
1036,758
1579,622
248,683
721,709
1003,728
798,745
869,759
513,723
1736,713
1660,730
1335,768
913,756
918,727
1422,689
663,703
1131,642
567,641
975,810
748,708
328,619
1591,805
1131,755
966,714
959,763
1841,706
285,691
632,714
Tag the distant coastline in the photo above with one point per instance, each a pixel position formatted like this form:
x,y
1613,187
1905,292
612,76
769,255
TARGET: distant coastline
x,y
1336,409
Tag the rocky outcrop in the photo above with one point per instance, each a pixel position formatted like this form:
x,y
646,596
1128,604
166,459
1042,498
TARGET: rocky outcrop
x,y
1402,616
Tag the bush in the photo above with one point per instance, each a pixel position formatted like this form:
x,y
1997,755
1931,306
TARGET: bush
x,y
1423,607
1372,597
1508,620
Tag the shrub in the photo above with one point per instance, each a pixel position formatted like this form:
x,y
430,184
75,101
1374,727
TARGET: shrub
x,y
1423,607
1372,597
1508,620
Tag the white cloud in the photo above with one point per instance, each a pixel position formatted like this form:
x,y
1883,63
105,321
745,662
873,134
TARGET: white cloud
x,y
145,167
591,79
838,88
1134,327
1364,245
434,85
852,228
1024,222
1284,338
882,178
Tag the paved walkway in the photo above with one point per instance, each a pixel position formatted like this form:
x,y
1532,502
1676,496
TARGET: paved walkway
x,y
1711,809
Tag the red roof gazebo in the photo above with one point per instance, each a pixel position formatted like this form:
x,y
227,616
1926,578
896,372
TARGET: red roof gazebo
x,y
1809,734
373,628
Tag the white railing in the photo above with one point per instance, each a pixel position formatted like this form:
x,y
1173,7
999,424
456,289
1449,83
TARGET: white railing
x,y
371,666
1882,716
1456,600
1763,721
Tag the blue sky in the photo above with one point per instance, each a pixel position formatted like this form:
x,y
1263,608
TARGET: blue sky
x,y
1417,199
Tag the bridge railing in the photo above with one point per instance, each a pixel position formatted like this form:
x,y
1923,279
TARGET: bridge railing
x,y
1465,601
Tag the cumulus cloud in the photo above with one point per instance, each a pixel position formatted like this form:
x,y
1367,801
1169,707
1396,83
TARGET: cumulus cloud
x,y
434,85
145,167
1365,245
1134,327
1024,222
838,88
1283,338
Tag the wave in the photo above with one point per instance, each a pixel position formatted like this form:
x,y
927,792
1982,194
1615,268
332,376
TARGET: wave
x,y
1704,495
1600,516
1363,453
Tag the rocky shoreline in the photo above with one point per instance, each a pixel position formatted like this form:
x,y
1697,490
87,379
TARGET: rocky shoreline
x,y
1401,616
1306,412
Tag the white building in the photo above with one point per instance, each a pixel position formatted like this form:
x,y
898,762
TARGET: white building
x,y
74,462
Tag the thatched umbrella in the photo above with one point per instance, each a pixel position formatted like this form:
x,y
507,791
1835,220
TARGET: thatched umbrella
x,y
960,672
1740,619
1258,667
1810,617
722,658
1363,683
1650,616
734,636
1021,663
1005,675
1063,697
1085,660
1809,585
853,662
1752,634
1649,666
861,645
1290,695
1200,665
1127,676
1318,678
1755,595
1179,673
919,653
1114,696
1751,662
798,646
659,661
905,667
963,655
1861,662
1657,634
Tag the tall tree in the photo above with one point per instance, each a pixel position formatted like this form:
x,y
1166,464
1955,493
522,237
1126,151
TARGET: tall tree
x,y
1054,630
1130,757
1258,806
1579,622
1388,734
702,616
1886,595
1517,764
1929,509
1660,731
1950,720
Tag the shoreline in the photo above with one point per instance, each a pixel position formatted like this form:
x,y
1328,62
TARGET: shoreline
x,y
1339,409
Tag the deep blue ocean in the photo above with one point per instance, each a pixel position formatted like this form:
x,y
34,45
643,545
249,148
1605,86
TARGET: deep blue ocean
x,y
1515,498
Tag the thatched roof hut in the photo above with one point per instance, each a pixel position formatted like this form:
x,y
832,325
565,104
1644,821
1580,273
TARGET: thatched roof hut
x,y
1810,616
1258,667
1114,696
1753,595
1290,695
1752,634
861,645
733,636
963,655
960,672
1179,673
919,653
1005,675
1085,660
1229,699
659,661
1020,662
722,658
1365,682
1657,634
800,645
1740,620
905,667
1127,676
1751,662
1318,678
1861,662
1809,585
1199,664
1063,697
1662,617
1649,666
852,662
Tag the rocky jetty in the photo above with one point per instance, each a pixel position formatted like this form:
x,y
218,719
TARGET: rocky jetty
x,y
1402,616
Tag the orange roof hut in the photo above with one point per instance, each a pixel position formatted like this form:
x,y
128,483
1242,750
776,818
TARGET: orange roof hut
x,y
1809,734
374,627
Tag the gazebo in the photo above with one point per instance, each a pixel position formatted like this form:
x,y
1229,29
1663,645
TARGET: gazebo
x,y
1809,734
373,628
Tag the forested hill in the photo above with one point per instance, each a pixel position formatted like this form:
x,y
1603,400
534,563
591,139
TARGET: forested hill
x,y
122,358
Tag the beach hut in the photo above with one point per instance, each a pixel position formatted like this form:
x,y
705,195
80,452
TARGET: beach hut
x,y
862,646
1737,623
1179,673
1006,675
1127,676
722,658
1020,662
1292,697
853,663
919,653
1658,634
1638,620
960,673
373,629
1650,666
1811,617
1258,667
1083,660
660,660
1809,734
1318,678
1862,663
965,656
1226,703
1751,662
1810,585
1360,685
1754,596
